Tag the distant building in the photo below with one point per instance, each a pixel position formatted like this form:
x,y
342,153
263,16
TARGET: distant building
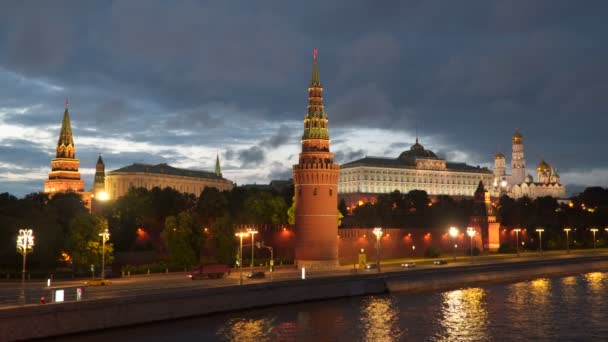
x,y
415,169
518,185
65,175
118,182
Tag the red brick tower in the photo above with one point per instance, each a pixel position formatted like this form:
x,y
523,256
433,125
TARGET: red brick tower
x,y
316,187
64,175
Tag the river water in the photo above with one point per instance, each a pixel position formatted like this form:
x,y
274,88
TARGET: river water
x,y
546,309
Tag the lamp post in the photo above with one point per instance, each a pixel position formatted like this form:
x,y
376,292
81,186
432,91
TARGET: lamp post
x,y
454,233
517,230
25,244
471,233
105,235
413,251
252,232
378,233
241,235
594,230
540,239
567,230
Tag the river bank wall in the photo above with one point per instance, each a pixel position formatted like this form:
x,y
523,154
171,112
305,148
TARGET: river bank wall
x,y
73,317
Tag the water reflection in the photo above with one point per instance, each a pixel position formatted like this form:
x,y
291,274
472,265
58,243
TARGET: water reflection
x,y
380,319
540,291
240,329
464,315
595,281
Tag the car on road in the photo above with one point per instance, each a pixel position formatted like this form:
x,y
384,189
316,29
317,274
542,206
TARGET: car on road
x,y
209,271
440,262
256,275
410,264
371,266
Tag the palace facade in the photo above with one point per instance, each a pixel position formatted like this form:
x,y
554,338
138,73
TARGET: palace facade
x,y
118,182
415,169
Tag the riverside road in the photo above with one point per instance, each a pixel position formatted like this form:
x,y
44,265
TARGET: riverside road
x,y
13,294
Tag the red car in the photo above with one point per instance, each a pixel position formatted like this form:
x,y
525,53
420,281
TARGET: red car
x,y
210,271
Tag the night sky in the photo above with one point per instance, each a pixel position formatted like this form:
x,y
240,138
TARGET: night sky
x,y
179,81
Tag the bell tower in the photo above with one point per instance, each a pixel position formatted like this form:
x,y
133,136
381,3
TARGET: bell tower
x,y
518,162
316,186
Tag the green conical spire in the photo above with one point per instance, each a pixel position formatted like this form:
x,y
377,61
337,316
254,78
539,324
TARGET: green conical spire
x,y
65,144
218,170
316,80
315,121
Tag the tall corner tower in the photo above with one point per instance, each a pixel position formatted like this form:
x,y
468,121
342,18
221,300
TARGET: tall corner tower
x,y
316,187
64,175
518,162
99,184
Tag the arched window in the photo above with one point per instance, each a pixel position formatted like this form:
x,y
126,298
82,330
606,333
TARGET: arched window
x,y
331,192
314,192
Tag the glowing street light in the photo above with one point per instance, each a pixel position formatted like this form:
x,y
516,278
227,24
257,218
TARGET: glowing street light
x,y
567,230
540,239
25,244
454,233
471,233
378,232
594,230
102,196
517,230
252,232
241,235
105,236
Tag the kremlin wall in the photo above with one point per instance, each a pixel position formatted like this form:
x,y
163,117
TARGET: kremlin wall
x,y
315,241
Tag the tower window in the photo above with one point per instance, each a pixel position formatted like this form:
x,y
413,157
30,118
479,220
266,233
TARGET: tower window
x,y
331,192
314,192
300,192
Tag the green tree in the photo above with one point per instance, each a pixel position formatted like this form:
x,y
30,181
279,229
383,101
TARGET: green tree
x,y
183,239
223,234
84,243
291,213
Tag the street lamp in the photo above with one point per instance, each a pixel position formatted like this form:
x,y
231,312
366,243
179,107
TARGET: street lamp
x,y
378,233
252,232
25,244
594,230
471,233
540,239
454,233
241,235
105,235
517,230
567,230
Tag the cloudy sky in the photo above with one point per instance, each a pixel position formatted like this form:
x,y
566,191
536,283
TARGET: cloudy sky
x,y
177,81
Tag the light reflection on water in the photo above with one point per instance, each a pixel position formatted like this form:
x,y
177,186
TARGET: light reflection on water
x,y
544,309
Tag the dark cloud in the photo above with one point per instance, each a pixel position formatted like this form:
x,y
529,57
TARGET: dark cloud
x,y
251,157
347,155
279,171
282,136
234,76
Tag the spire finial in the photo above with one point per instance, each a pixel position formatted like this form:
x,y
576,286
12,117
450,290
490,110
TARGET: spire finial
x,y
67,103
315,52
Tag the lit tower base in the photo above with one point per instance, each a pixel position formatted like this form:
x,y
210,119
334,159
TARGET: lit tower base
x,y
316,187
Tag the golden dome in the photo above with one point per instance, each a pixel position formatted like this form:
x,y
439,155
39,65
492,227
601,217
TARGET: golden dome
x,y
499,155
543,167
517,137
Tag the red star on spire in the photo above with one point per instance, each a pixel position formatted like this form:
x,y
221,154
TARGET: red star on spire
x,y
315,52
67,103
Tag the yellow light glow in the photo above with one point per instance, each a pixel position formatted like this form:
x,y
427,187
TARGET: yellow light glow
x,y
102,196
453,232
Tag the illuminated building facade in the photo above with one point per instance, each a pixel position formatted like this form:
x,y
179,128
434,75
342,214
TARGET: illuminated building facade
x,y
65,175
316,187
415,169
118,182
518,185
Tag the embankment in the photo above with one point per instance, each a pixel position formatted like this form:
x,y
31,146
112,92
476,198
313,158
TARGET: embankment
x,y
66,318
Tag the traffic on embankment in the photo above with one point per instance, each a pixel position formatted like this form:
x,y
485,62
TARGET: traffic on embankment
x,y
152,303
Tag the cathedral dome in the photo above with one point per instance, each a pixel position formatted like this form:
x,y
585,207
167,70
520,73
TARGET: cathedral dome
x,y
418,151
543,167
517,137
499,155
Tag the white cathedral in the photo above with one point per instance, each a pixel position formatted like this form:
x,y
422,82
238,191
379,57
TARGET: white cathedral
x,y
519,185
